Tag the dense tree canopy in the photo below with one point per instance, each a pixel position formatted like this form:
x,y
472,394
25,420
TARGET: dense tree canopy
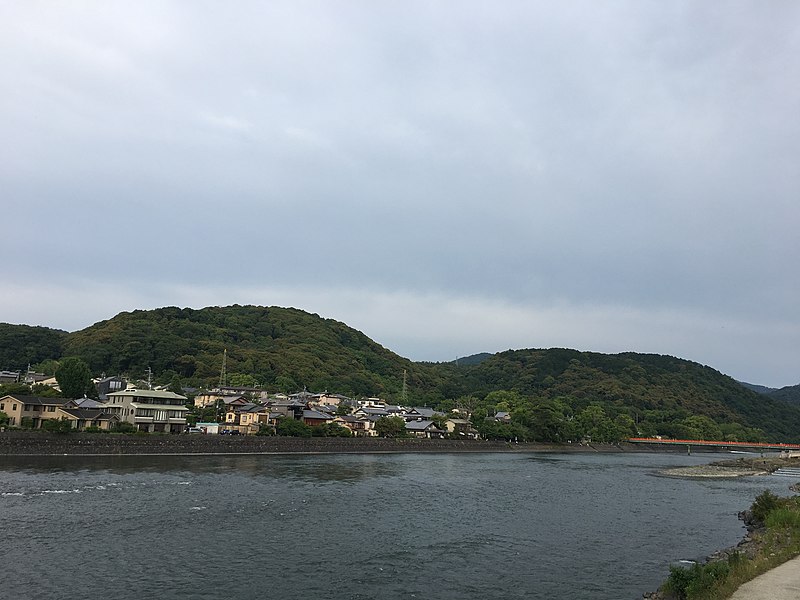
x,y
74,378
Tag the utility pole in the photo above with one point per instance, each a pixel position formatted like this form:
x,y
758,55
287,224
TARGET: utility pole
x,y
149,378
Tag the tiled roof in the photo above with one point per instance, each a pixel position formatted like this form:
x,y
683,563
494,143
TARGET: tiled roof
x,y
39,401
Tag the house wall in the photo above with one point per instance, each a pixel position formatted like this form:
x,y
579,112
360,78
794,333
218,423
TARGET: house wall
x,y
13,408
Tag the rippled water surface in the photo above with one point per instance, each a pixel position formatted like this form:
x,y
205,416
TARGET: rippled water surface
x,y
450,526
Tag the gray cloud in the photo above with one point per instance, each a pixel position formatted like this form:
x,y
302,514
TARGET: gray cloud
x,y
629,158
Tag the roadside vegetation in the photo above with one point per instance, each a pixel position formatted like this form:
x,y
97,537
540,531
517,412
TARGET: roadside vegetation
x,y
774,525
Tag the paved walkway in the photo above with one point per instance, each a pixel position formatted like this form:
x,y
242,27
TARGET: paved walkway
x,y
781,583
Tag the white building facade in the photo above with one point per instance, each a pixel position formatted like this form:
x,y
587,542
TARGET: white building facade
x,y
149,410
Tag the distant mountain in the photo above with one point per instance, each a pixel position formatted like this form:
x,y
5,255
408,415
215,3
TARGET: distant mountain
x,y
287,349
760,389
474,359
789,394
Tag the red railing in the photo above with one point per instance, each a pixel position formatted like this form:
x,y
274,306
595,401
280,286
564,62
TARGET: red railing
x,y
714,443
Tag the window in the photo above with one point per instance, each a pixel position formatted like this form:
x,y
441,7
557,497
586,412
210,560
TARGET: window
x,y
51,409
2,406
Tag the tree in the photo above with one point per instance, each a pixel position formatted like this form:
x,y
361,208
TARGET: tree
x,y
292,427
44,391
702,428
74,378
15,389
331,430
391,427
47,366
4,419
285,384
175,385
57,425
596,425
625,425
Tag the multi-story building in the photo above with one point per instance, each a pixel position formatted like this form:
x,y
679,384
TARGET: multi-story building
x,y
149,410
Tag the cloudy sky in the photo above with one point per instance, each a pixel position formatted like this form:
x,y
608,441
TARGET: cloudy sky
x,y
447,177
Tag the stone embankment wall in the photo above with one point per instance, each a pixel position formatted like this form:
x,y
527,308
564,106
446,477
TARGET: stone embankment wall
x,y
41,443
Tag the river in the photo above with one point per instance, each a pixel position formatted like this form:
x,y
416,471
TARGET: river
x,y
358,527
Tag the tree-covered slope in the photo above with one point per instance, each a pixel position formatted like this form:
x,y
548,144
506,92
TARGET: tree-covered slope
x,y
287,349
272,346
21,345
641,385
789,394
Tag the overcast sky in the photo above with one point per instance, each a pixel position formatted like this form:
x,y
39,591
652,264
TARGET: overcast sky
x,y
447,177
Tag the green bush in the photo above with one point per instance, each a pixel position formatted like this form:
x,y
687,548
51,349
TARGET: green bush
x,y
764,504
679,580
697,580
123,427
783,517
57,425
707,577
93,429
331,430
292,427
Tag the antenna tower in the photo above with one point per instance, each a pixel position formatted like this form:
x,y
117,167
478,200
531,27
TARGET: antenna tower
x,y
404,393
149,378
223,374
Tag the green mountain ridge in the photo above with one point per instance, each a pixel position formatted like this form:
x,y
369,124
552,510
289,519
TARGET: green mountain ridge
x,y
287,349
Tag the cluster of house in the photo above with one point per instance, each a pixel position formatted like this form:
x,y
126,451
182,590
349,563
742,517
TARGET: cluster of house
x,y
238,411
145,410
247,417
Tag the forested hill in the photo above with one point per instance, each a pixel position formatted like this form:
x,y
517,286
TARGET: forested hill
x,y
284,348
653,389
23,345
790,394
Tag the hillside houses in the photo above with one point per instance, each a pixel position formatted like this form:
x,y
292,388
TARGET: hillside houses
x,y
163,411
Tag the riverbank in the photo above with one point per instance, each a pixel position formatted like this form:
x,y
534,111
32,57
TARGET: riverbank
x,y
763,565
38,443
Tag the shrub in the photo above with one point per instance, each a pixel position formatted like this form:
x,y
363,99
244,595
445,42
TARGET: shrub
x,y
93,429
782,517
292,427
57,425
123,427
679,580
707,577
331,430
764,504
697,580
